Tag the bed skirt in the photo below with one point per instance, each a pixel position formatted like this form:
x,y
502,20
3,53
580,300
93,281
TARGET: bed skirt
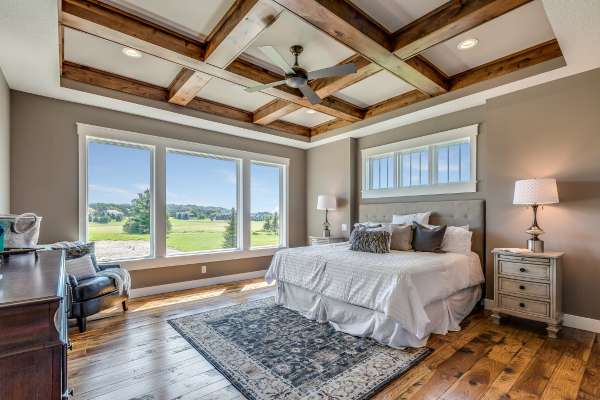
x,y
444,315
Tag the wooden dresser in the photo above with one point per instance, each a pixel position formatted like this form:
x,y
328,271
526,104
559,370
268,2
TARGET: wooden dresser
x,y
529,285
33,327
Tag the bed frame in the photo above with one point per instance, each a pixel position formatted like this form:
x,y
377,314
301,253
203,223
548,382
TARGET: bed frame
x,y
457,213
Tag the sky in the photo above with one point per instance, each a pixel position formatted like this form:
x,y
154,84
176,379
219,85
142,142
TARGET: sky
x,y
117,173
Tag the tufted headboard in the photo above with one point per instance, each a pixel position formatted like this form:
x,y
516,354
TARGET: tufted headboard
x,y
457,213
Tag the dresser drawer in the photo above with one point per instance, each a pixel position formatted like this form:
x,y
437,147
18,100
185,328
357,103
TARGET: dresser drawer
x,y
514,286
524,270
534,307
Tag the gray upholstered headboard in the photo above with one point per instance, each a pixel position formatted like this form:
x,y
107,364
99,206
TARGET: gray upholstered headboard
x,y
457,213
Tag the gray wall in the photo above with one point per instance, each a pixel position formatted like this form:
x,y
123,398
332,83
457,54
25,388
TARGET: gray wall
x,y
44,173
552,130
4,145
330,170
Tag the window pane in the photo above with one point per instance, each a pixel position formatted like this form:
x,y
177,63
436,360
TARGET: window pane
x,y
442,164
201,203
119,200
265,205
375,169
465,162
405,170
415,161
424,167
454,163
383,176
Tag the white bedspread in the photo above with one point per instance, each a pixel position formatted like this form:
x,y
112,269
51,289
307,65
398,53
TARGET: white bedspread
x,y
398,284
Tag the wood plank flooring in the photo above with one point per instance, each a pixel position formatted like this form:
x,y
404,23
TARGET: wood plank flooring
x,y
138,356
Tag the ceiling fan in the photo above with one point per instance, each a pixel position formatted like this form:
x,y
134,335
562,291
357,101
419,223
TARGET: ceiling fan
x,y
298,77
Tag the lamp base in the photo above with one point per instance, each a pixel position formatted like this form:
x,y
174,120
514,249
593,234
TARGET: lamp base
x,y
535,245
326,232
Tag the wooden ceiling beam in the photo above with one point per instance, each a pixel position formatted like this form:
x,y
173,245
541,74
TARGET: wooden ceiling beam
x,y
110,24
327,86
107,80
328,126
446,22
505,65
186,85
346,24
273,111
245,20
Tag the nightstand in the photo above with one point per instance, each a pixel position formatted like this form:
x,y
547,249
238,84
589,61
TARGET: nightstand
x,y
528,285
317,240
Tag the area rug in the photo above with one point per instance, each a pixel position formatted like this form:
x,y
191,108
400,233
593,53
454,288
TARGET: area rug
x,y
269,352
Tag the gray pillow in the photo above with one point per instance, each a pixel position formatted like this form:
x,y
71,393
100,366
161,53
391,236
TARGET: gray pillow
x,y
402,236
370,241
363,226
428,239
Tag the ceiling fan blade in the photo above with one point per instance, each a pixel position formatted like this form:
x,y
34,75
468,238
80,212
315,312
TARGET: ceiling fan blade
x,y
337,70
276,58
262,87
310,94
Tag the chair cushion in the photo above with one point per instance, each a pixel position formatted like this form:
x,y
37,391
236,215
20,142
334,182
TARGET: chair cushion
x,y
93,287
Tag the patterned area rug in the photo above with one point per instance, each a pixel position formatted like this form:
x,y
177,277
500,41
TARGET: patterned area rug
x,y
269,352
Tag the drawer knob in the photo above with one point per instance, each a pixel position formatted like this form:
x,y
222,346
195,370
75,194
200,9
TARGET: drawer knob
x,y
522,305
522,269
522,287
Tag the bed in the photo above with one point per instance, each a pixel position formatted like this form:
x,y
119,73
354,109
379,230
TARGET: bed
x,y
398,298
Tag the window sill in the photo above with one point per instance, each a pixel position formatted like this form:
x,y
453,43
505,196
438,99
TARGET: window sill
x,y
187,259
467,187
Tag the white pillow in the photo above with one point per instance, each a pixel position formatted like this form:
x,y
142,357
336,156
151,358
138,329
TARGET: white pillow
x,y
82,267
420,218
457,239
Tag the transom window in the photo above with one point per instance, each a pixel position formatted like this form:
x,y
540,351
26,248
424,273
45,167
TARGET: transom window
x,y
152,201
440,163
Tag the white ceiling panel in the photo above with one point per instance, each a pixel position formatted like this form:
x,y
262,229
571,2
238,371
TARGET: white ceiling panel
x,y
320,50
92,51
190,17
233,95
394,14
517,30
302,117
381,86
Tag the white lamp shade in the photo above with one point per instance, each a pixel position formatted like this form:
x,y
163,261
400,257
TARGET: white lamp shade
x,y
326,202
536,191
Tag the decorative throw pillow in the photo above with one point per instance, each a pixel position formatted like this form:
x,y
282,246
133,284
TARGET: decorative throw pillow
x,y
82,267
402,236
363,226
77,249
457,239
428,239
419,218
371,241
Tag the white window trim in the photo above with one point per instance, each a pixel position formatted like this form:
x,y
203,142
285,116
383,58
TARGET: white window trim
x,y
158,187
452,135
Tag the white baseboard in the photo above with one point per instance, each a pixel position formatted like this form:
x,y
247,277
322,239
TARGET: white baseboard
x,y
572,321
173,287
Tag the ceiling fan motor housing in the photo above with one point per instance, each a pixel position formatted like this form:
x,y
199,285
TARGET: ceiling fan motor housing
x,y
298,78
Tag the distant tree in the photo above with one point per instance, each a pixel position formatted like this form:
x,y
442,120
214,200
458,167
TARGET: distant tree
x,y
267,224
230,236
275,223
139,218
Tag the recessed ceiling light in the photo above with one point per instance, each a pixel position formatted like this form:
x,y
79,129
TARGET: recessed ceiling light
x,y
133,53
467,44
310,111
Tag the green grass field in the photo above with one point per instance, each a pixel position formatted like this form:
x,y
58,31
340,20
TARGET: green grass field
x,y
185,235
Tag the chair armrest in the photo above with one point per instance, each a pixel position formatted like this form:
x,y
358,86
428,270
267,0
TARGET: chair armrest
x,y
102,267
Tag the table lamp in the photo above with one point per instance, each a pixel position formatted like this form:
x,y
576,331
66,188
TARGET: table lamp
x,y
534,193
326,202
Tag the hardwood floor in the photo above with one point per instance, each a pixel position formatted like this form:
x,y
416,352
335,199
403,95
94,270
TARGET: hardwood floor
x,y
137,355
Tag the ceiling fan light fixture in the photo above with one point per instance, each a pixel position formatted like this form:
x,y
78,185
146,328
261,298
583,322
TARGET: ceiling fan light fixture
x,y
133,53
467,44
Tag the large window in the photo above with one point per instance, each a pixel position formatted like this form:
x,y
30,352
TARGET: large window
x,y
119,192
150,201
265,200
440,163
202,202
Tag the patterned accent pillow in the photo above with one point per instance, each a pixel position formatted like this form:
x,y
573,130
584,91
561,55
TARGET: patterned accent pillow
x,y
371,241
78,249
81,267
364,226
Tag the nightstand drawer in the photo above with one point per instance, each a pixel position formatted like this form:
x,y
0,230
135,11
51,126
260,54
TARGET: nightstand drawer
x,y
534,307
517,287
524,259
524,270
